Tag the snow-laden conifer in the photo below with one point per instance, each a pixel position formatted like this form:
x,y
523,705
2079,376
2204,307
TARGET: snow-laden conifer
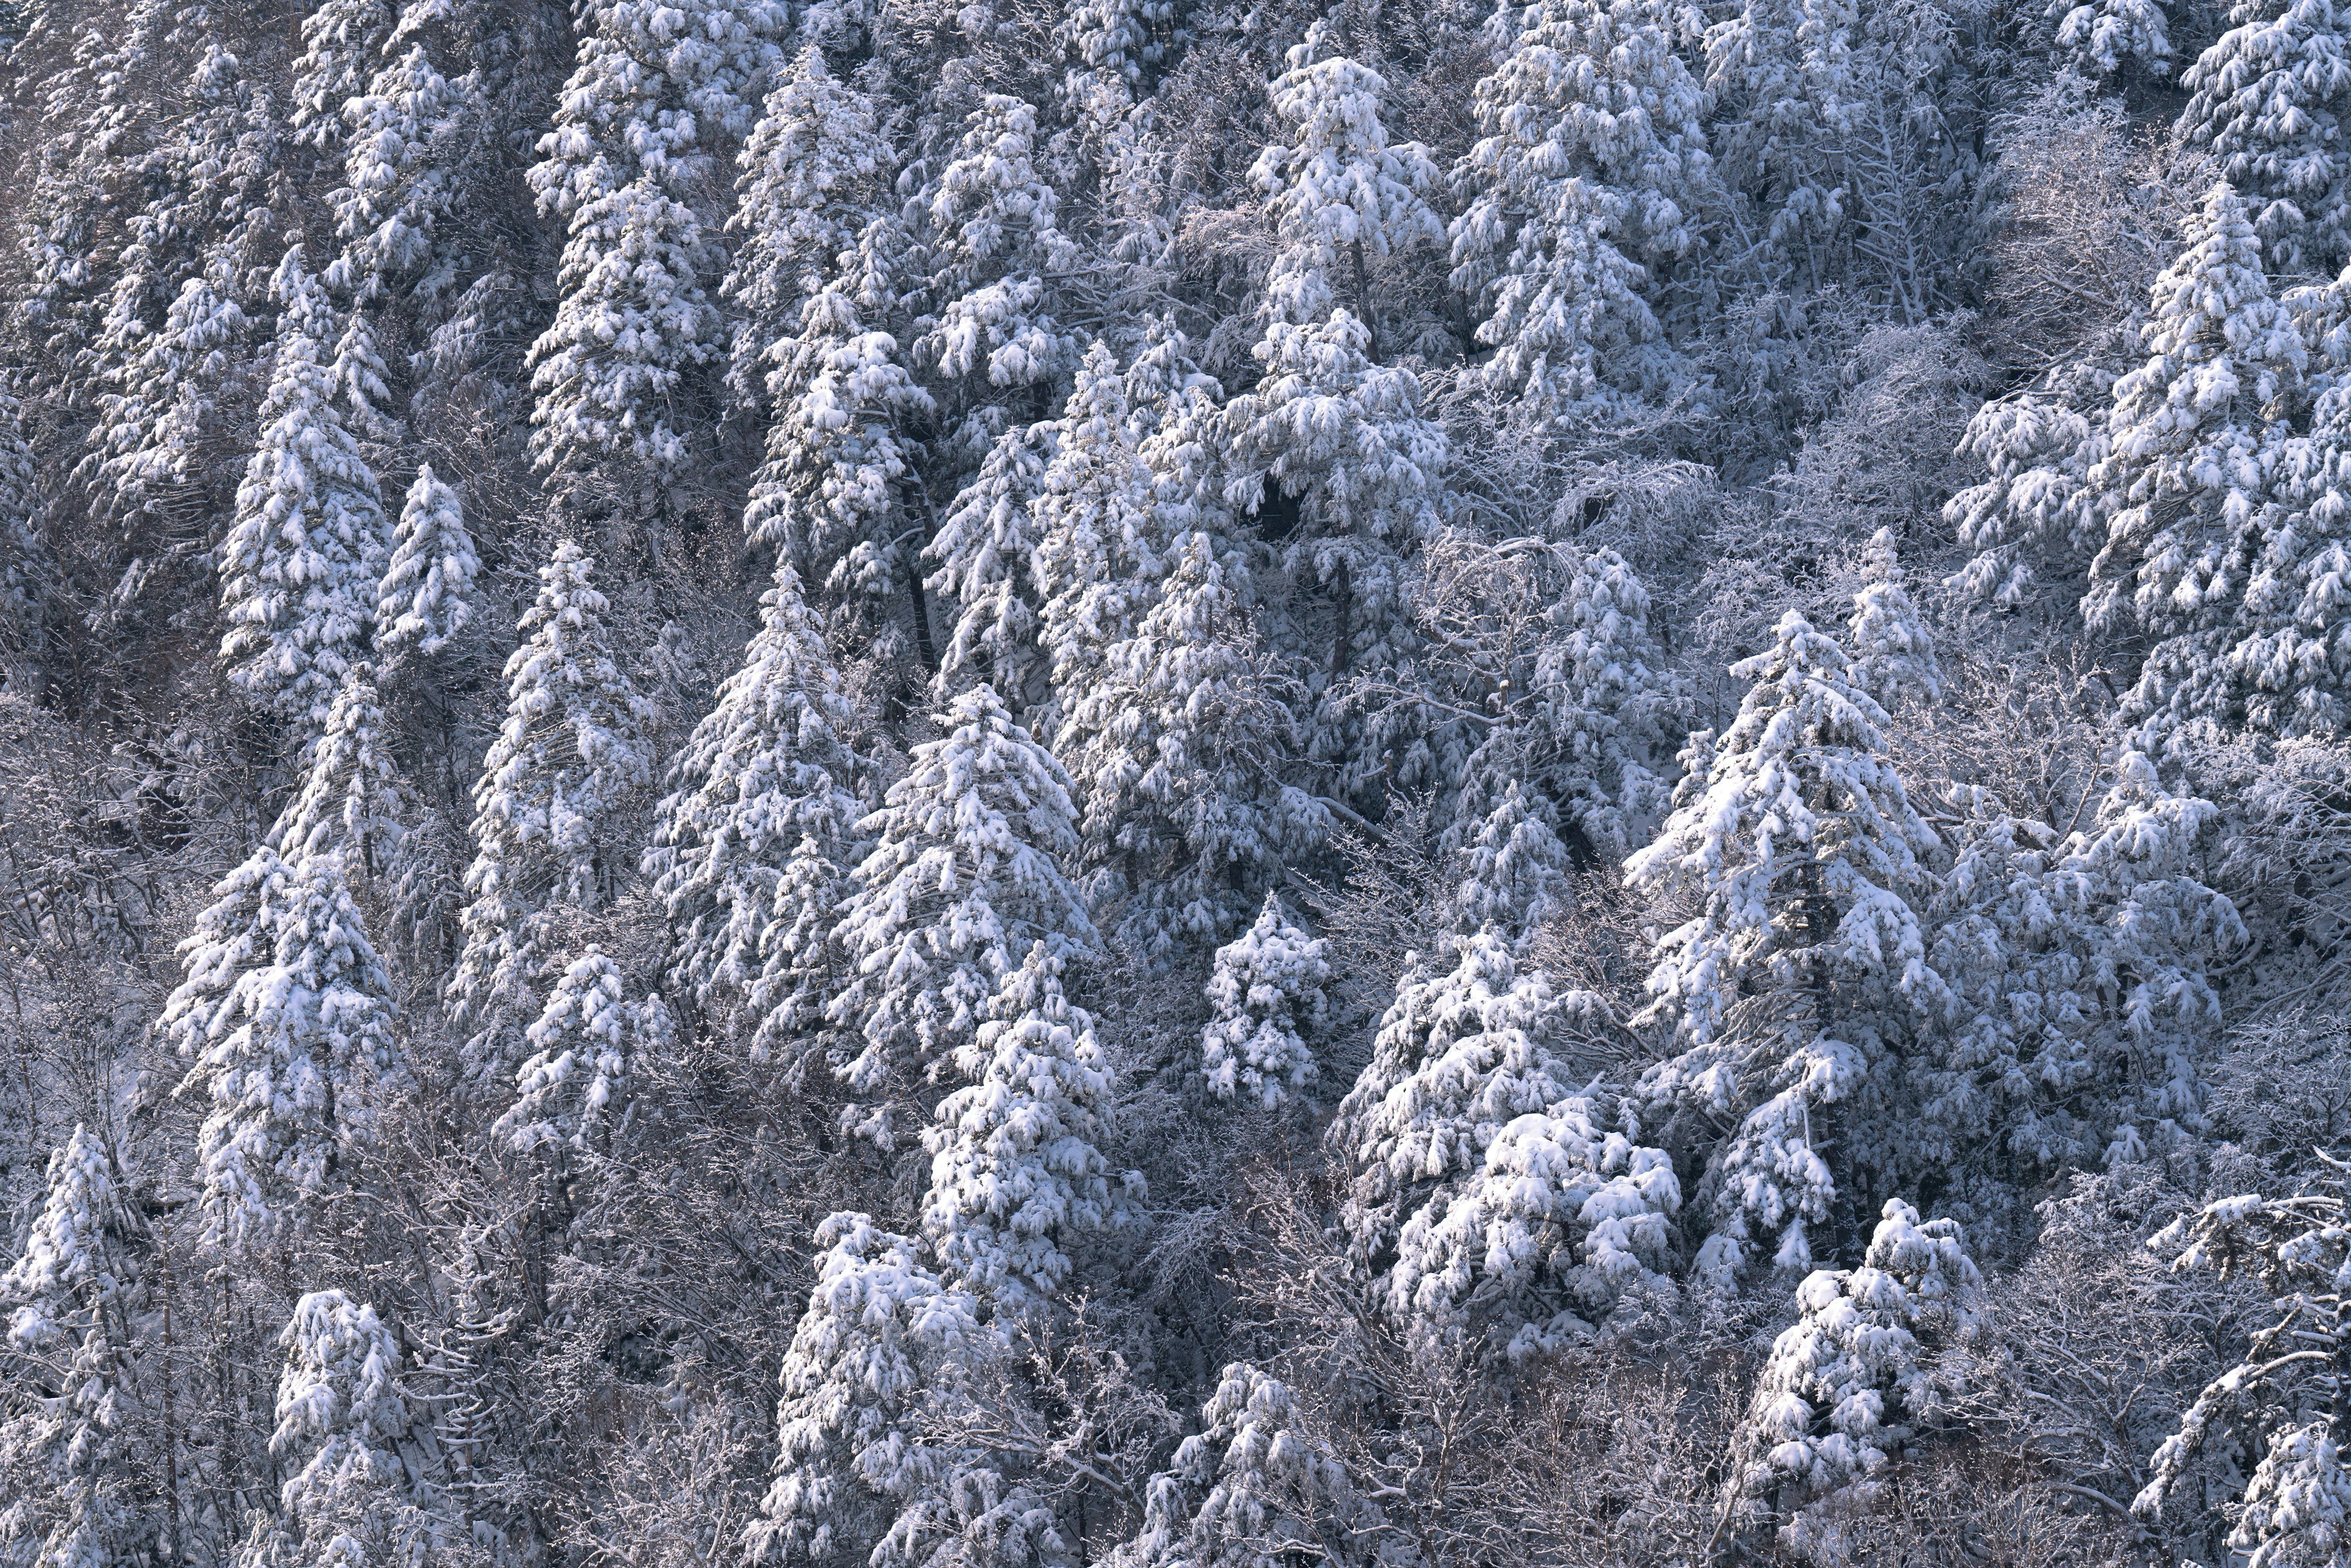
x,y
2110,37
161,396
588,1044
1802,979
1266,990
1847,1386
966,876
404,165
286,1018
1017,1170
340,41
352,799
1514,866
986,553
753,841
26,571
991,223
566,761
2267,98
1893,650
425,599
301,563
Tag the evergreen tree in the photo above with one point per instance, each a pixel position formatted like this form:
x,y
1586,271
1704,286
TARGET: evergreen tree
x,y
2267,99
301,563
966,872
1893,652
339,39
1591,168
360,1455
1017,1168
286,1014
991,225
1797,988
425,600
752,845
406,136
1267,991
163,393
656,98
1513,865
352,798
814,174
589,1041
26,572
1846,1387
986,554
2108,39
881,1339
80,1461
570,754
2282,663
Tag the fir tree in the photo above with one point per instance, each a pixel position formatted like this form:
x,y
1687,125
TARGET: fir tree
x,y
991,227
588,1045
986,552
752,845
966,872
402,174
301,563
1514,866
286,1014
2109,38
339,39
565,763
425,600
1266,990
2266,99
1801,981
352,799
1017,1170
1893,652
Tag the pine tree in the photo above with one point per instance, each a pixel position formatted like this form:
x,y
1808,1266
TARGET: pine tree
x,y
814,174
588,1045
2286,1390
286,1014
991,225
1591,168
566,762
425,600
1797,988
986,549
301,563
80,1463
353,797
1267,991
360,1488
657,94
966,872
752,845
2266,99
1017,1170
1846,1387
1893,652
403,173
1253,1486
880,1340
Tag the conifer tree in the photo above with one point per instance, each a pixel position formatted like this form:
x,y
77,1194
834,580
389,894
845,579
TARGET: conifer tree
x,y
2267,98
402,169
425,600
966,872
1591,168
1893,652
161,392
986,550
1017,1170
589,1041
285,1016
25,569
80,1464
2109,38
991,225
1514,866
813,175
299,566
352,799
752,843
2282,665
1266,989
570,754
360,1487
339,37
1846,1387
1801,983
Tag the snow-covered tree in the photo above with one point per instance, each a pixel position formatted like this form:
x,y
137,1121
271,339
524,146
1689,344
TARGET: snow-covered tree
x,y
1253,1486
1337,192
2108,39
26,570
361,1456
964,874
286,1015
828,498
1847,1386
1268,992
2267,98
425,599
986,549
880,1340
163,393
2287,1390
1463,1051
1016,1169
753,841
568,757
1590,166
1514,866
299,566
77,1456
658,94
814,174
587,1043
339,37
352,799
991,226
1098,559
1893,650
1795,990
403,166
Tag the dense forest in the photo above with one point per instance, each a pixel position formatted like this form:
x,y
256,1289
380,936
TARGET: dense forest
x,y
813,783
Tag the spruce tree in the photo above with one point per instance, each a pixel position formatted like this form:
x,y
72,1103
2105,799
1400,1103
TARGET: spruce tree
x,y
589,1043
353,799
986,549
1268,993
425,599
2268,99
